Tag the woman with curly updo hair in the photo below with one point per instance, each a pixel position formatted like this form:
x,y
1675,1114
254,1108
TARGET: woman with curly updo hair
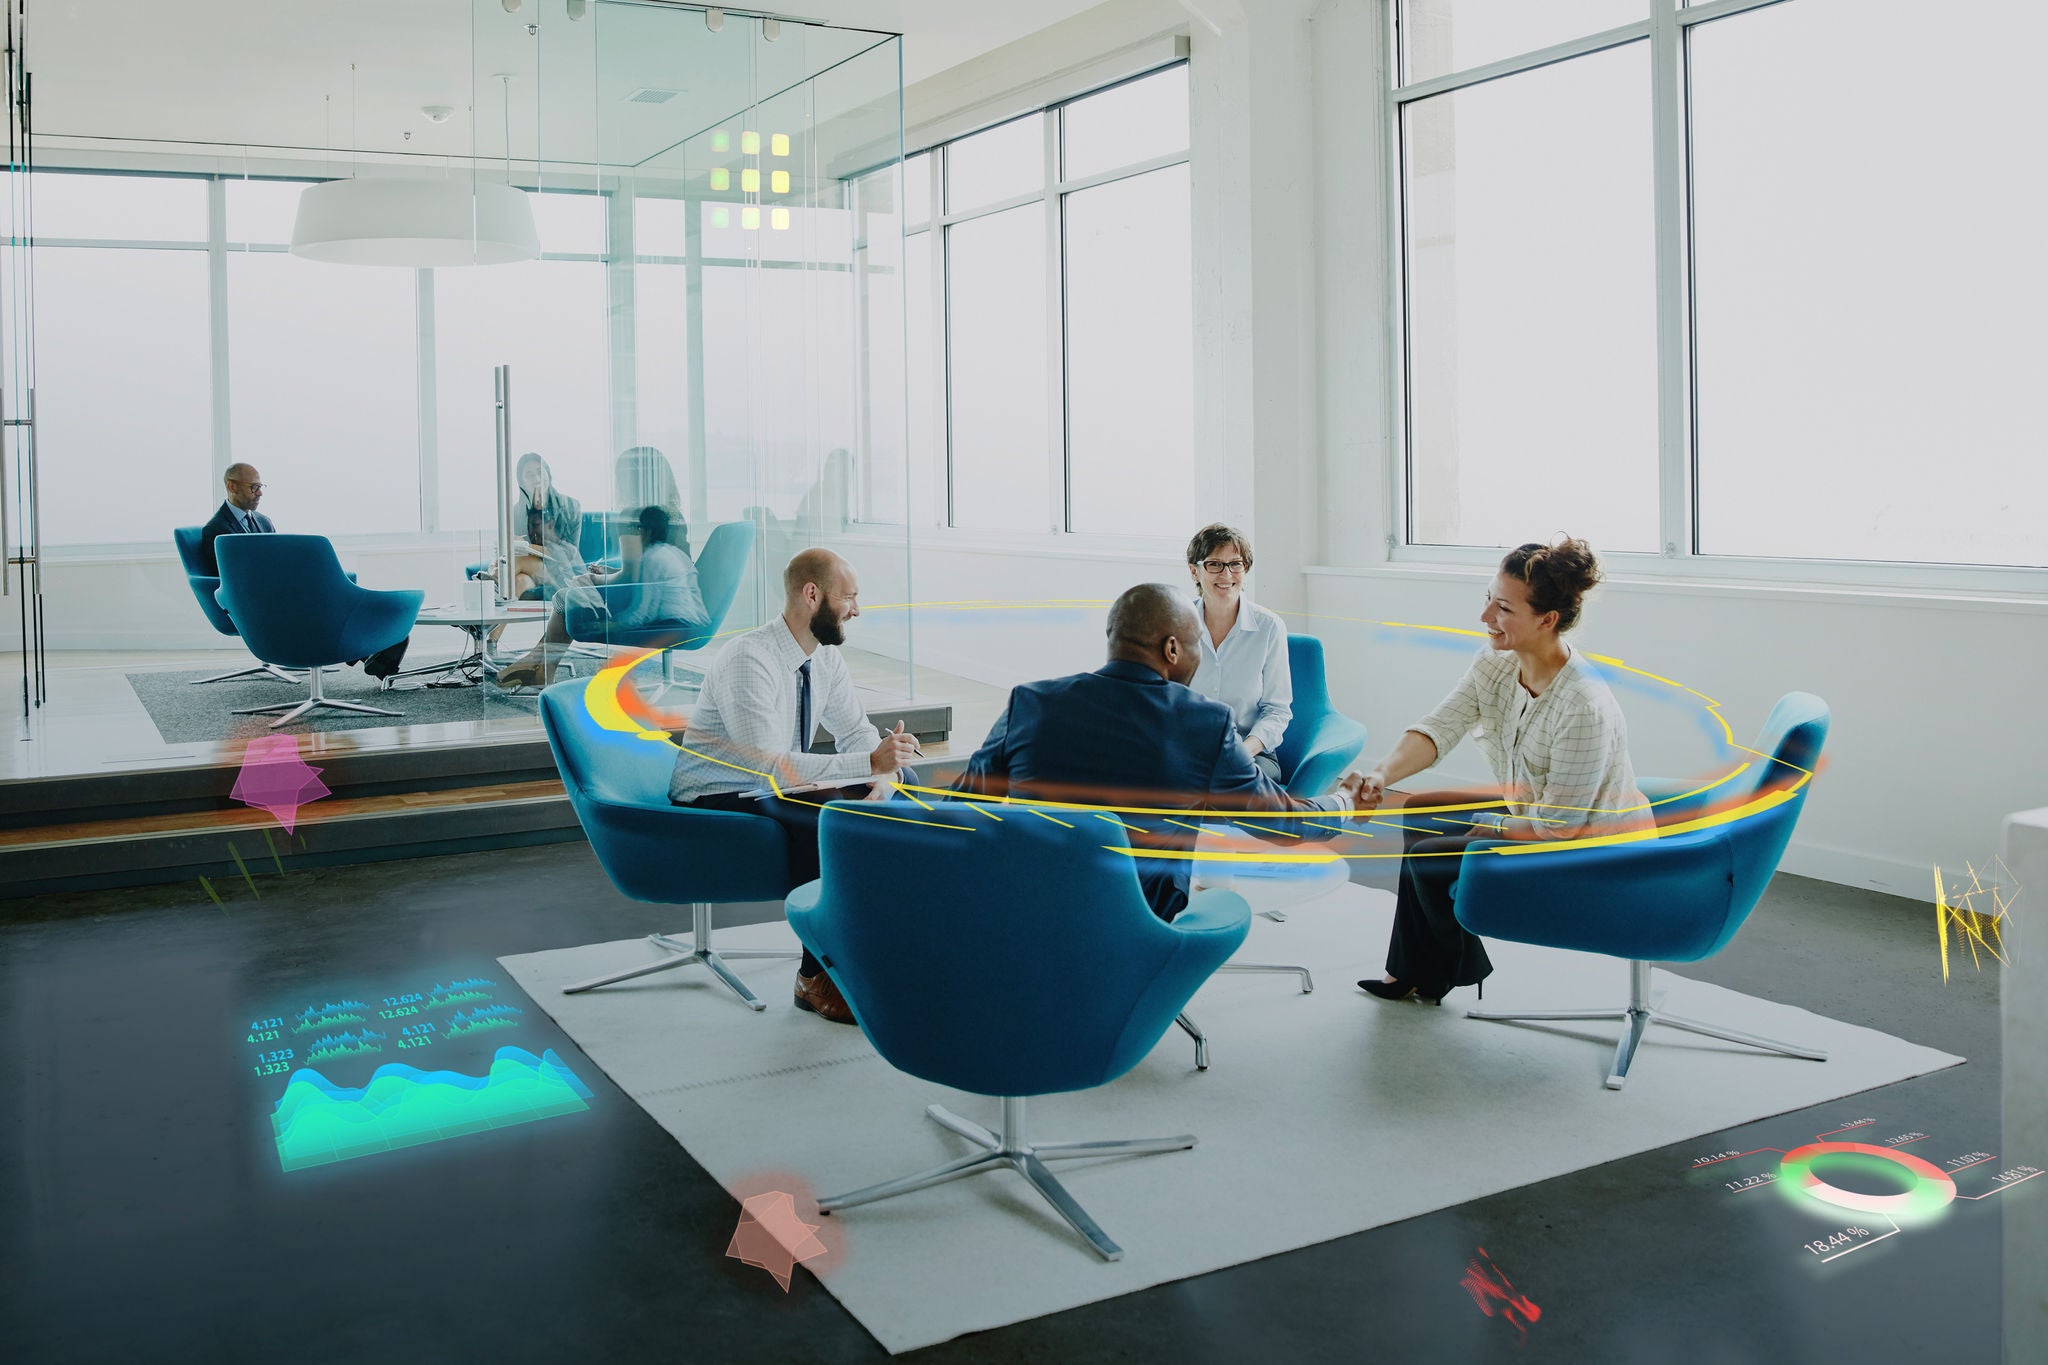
x,y
1554,737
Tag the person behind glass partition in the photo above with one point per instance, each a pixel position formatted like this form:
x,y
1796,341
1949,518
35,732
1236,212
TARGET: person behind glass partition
x,y
646,479
656,586
1555,739
1243,646
547,527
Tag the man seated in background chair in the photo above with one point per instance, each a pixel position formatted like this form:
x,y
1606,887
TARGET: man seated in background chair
x,y
763,695
1132,734
237,516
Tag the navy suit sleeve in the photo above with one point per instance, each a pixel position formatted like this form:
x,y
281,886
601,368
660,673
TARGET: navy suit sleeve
x,y
988,771
1236,784
209,562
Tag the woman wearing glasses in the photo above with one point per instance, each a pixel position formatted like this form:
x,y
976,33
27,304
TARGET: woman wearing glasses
x,y
1553,736
1244,646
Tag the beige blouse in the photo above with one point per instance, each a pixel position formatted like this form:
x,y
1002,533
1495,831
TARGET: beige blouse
x,y
1561,758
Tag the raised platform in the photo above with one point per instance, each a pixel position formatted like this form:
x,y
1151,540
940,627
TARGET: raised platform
x,y
87,802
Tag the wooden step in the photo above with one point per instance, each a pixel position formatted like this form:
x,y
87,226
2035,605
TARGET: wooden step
x,y
173,847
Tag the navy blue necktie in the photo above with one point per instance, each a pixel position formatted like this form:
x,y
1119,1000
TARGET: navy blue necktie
x,y
803,708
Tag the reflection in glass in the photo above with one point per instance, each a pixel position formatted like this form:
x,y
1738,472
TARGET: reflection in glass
x,y
997,371
1130,356
1531,365
546,319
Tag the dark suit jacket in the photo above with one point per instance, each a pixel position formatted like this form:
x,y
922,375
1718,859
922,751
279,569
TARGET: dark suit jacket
x,y
1124,736
226,522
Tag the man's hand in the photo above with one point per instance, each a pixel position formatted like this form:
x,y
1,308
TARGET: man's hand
x,y
883,789
1253,745
1363,791
895,751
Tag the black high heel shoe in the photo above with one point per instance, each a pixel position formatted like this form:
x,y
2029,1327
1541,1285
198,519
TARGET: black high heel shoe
x,y
1402,990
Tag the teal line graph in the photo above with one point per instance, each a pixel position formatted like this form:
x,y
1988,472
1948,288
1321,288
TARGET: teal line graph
x,y
329,1046
330,1015
478,1021
459,992
317,1122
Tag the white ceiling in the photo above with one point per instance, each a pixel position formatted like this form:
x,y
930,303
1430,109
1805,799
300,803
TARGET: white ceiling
x,y
276,73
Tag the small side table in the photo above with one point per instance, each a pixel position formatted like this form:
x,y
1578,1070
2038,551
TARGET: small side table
x,y
476,620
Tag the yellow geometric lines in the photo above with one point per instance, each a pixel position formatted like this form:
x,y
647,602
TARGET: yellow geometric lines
x,y
1354,833
1185,825
1959,904
1114,821
1043,816
1256,830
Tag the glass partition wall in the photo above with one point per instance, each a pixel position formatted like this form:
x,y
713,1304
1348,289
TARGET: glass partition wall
x,y
715,325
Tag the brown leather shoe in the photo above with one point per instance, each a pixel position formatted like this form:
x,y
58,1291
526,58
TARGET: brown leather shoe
x,y
821,997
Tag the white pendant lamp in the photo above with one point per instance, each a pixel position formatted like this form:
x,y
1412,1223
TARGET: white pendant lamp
x,y
417,223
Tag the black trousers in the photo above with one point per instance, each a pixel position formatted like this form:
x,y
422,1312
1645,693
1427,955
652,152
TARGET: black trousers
x,y
799,820
1429,948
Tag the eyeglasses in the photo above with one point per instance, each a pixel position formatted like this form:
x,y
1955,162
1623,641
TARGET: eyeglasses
x,y
1223,566
252,487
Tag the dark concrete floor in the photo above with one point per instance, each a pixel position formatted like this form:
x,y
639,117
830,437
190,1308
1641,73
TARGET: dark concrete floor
x,y
143,1216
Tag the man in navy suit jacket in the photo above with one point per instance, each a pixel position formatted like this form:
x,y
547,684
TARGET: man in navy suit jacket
x,y
1132,734
237,516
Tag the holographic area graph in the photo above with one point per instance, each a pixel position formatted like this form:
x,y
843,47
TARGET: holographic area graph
x,y
1857,1185
332,1091
317,1121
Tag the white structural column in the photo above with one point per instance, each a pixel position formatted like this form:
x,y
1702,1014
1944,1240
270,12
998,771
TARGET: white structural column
x,y
2024,1046
1254,159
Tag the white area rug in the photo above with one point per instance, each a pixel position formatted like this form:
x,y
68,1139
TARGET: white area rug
x,y
1321,1115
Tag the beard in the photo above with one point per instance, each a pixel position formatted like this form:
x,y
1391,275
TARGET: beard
x,y
826,627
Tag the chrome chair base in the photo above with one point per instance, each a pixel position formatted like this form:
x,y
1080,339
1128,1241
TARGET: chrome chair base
x,y
318,698
1308,984
1194,1030
259,671
697,950
1639,1015
1011,1148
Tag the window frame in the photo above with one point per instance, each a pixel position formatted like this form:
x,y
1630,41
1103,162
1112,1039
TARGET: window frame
x,y
1665,27
1052,198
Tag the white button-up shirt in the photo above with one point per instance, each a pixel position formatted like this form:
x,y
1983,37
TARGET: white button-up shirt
x,y
744,726
1248,672
1561,758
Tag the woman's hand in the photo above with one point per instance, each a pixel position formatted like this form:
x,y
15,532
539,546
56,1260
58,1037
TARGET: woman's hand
x,y
1364,791
1253,745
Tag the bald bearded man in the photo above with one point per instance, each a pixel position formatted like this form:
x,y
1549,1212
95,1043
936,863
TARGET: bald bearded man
x,y
764,697
236,516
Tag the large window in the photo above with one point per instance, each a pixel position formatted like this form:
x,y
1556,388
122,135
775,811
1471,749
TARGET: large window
x,y
167,347
1050,306
1701,281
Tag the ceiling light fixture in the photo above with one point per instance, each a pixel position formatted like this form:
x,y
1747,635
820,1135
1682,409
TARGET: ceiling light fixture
x,y
771,29
577,9
512,6
714,19
417,223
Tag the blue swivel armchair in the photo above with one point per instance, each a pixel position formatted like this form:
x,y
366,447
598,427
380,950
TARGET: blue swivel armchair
x,y
296,608
721,564
1321,741
657,852
204,586
1677,898
1087,978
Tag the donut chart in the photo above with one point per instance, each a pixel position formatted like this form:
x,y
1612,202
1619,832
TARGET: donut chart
x,y
1932,1188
